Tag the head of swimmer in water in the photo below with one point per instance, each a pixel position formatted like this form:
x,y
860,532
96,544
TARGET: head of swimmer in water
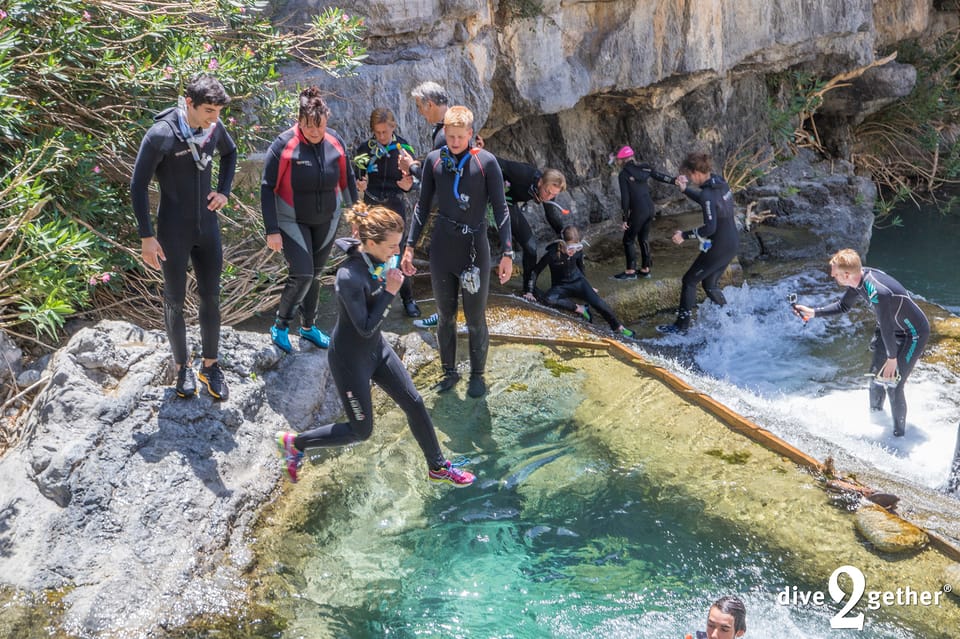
x,y
727,618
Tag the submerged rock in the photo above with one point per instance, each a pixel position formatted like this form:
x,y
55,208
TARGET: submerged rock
x,y
137,503
887,532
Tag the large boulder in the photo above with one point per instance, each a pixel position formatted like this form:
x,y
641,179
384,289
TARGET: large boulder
x,y
137,503
887,532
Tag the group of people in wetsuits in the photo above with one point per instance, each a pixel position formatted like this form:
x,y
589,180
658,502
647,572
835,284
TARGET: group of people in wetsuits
x,y
307,175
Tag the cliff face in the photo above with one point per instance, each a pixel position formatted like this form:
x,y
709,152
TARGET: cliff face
x,y
562,83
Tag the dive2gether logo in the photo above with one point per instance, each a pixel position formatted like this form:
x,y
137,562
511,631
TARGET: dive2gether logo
x,y
873,599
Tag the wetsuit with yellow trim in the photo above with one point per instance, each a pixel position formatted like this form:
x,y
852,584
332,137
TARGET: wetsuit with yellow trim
x,y
463,184
901,333
186,229
300,196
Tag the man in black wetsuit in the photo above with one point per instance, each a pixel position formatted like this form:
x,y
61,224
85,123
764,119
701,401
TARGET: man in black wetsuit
x,y
638,211
432,104
178,151
464,180
899,338
525,183
718,237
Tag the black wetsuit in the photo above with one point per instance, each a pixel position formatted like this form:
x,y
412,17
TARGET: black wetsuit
x,y
901,333
520,181
638,210
186,229
382,171
300,196
719,240
568,279
439,138
359,355
458,240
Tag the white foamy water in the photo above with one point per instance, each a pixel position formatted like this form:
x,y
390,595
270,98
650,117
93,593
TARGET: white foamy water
x,y
807,384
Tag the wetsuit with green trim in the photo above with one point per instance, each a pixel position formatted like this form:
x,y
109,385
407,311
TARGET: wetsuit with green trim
x,y
901,333
719,240
300,196
520,181
380,165
186,229
360,355
463,185
638,210
568,279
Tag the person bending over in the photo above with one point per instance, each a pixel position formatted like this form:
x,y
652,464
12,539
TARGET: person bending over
x,y
366,284
900,335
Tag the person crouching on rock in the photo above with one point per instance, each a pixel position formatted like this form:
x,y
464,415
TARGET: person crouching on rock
x,y
366,284
568,279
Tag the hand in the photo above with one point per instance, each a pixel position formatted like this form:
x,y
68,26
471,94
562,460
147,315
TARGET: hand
x,y
362,183
889,370
406,262
478,141
530,297
405,161
677,237
216,201
805,312
682,182
624,226
406,182
275,242
152,252
394,281
505,270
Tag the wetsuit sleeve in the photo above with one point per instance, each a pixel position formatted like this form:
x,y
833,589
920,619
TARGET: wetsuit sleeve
x,y
542,264
709,226
351,176
579,263
228,162
148,158
498,200
422,211
268,186
662,177
624,195
365,314
842,305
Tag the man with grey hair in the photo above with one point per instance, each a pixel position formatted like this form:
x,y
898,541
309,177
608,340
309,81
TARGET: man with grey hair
x,y
432,103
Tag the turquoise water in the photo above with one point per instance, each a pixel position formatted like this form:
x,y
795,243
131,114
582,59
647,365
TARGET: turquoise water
x,y
922,253
565,533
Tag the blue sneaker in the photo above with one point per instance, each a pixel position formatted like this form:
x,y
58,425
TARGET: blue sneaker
x,y
281,337
315,336
429,322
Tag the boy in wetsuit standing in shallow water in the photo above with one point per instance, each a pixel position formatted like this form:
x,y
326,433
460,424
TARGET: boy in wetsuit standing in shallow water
x,y
464,179
900,335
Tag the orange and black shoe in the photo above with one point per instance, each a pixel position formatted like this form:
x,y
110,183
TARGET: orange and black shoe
x,y
212,378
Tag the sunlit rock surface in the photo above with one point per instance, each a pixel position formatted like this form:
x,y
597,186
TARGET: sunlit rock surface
x,y
887,532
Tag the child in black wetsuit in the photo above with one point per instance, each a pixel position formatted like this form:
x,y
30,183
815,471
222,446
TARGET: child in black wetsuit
x,y
367,283
568,279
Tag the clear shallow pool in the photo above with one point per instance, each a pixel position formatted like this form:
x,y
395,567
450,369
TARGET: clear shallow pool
x,y
605,506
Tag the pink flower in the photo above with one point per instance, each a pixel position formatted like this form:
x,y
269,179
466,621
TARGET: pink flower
x,y
105,278
213,64
232,120
167,72
97,169
349,50
207,46
346,18
93,280
3,14
86,16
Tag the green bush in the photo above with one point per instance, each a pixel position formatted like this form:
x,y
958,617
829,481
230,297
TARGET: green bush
x,y
79,84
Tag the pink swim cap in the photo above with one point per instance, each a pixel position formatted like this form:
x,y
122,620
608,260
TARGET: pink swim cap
x,y
624,153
